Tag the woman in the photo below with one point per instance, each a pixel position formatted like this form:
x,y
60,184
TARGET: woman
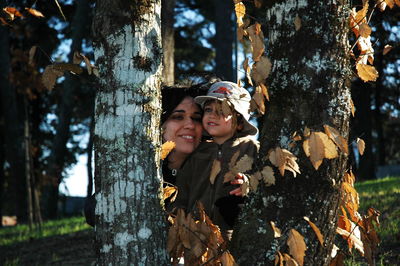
x,y
181,123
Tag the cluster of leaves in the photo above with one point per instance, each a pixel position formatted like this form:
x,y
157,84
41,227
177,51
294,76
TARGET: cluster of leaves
x,y
359,231
9,14
358,22
198,241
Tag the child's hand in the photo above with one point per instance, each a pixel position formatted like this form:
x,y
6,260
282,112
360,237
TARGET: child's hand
x,y
239,180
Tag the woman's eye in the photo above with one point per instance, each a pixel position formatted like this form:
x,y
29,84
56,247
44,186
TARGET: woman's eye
x,y
177,117
197,119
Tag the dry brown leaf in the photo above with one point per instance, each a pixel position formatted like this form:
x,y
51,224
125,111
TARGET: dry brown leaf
x,y
362,14
277,231
32,53
306,132
353,109
166,148
240,11
247,69
365,30
245,188
3,21
261,70
258,98
360,146
268,176
278,259
297,22
244,164
50,76
168,192
257,41
387,47
264,90
335,136
367,72
215,169
34,12
316,231
315,148
227,259
329,146
253,182
289,261
297,246
234,159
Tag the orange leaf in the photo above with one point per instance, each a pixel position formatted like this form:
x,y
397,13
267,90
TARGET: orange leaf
x,y
335,136
215,169
297,246
12,12
166,148
360,146
390,3
397,2
34,12
316,230
367,72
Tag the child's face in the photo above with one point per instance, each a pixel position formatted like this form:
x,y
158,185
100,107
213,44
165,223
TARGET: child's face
x,y
216,124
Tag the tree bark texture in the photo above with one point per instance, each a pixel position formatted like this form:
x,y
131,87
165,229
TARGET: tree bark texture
x,y
65,110
130,224
309,87
224,34
168,41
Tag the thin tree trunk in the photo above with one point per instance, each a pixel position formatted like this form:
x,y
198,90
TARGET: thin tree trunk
x,y
28,164
168,41
130,227
224,34
309,86
71,83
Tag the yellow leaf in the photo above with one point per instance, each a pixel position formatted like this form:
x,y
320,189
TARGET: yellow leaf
x,y
215,169
35,12
261,70
360,146
316,231
387,47
365,30
367,72
297,246
168,192
166,148
277,231
335,136
240,11
297,23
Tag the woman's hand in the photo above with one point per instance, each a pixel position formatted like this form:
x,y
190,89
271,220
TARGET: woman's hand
x,y
239,180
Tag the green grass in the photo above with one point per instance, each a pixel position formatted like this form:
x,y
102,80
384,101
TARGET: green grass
x,y
19,233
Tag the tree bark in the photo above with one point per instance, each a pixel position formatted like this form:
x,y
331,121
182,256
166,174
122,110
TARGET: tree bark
x,y
224,27
130,224
309,86
168,41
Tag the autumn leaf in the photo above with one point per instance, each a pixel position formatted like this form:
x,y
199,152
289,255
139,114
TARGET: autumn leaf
x,y
170,191
268,176
12,12
50,75
362,14
354,237
277,231
166,148
278,259
264,90
387,48
247,69
215,169
316,231
257,41
297,23
335,136
306,132
259,100
253,182
365,30
297,246
240,11
360,146
353,109
367,72
261,70
34,12
227,259
289,261
284,160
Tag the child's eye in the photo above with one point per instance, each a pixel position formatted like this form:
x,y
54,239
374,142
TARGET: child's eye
x,y
207,110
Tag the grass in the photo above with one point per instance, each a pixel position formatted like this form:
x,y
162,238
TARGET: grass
x,y
384,196
19,233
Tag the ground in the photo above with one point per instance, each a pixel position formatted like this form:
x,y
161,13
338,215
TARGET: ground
x,y
70,249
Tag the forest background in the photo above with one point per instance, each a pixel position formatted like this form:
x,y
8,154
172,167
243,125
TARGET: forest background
x,y
41,128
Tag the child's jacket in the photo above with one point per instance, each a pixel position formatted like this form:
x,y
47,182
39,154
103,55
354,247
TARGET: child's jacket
x,y
193,180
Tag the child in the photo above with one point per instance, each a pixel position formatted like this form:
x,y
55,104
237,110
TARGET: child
x,y
225,119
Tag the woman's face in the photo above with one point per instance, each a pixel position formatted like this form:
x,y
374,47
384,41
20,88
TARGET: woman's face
x,y
184,126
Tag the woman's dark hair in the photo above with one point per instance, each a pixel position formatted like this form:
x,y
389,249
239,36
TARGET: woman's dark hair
x,y
172,96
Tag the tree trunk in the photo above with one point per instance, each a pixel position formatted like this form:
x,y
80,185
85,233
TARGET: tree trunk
x,y
168,41
71,83
309,86
224,27
130,224
13,134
